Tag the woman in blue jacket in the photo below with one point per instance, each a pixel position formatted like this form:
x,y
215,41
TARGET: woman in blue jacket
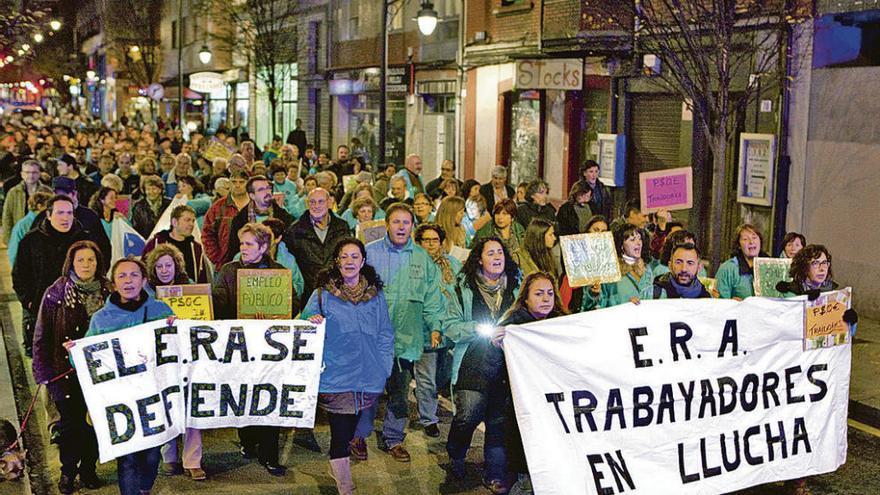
x,y
128,306
358,347
735,276
637,279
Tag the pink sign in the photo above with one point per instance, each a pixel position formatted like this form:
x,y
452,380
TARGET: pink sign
x,y
123,204
666,189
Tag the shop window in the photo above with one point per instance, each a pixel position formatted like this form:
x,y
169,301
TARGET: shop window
x,y
525,136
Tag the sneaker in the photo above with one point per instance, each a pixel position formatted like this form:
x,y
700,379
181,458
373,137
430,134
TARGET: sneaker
x,y
432,430
91,481
66,485
457,468
197,474
399,453
275,469
497,487
358,448
171,468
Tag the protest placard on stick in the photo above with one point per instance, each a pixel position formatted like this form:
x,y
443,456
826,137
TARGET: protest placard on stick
x,y
668,189
370,231
590,258
823,320
264,293
190,302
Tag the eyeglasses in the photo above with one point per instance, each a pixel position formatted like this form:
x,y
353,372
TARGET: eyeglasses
x,y
820,263
430,240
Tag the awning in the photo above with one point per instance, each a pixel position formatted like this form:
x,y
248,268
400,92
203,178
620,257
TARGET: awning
x,y
188,94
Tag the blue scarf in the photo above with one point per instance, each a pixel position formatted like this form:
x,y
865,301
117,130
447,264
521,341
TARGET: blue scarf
x,y
691,291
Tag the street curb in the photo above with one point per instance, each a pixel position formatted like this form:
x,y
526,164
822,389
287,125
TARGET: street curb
x,y
37,469
865,414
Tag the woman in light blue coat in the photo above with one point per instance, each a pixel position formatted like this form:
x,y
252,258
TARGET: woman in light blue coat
x,y
637,279
735,276
358,347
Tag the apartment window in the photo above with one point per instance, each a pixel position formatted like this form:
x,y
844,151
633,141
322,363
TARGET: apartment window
x,y
353,28
396,12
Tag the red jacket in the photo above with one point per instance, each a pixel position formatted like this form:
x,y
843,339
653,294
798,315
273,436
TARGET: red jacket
x,y
215,229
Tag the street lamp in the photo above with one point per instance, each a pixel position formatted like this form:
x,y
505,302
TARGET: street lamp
x,y
427,18
205,55
25,47
38,37
55,24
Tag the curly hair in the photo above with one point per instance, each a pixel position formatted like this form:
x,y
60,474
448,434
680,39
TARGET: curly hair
x,y
472,267
332,273
180,275
800,264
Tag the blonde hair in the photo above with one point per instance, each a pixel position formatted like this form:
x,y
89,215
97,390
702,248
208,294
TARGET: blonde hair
x,y
445,218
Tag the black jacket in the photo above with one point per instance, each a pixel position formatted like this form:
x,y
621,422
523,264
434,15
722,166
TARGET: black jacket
x,y
142,218
90,222
488,194
567,219
311,254
600,203
298,137
525,212
241,219
224,291
40,259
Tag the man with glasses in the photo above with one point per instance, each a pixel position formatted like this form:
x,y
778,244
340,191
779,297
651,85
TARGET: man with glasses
x,y
260,207
447,171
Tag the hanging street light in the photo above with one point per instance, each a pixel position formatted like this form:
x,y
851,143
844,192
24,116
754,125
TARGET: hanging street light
x,y
427,18
205,55
55,24
38,37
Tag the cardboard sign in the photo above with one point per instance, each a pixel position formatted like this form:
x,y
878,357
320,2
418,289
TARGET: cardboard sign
x,y
823,320
349,182
189,302
368,232
123,204
590,258
264,294
218,149
666,189
768,273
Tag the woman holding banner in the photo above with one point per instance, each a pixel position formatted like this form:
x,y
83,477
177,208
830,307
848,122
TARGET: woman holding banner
x,y
538,300
637,280
64,315
735,276
488,283
255,242
128,306
358,347
165,266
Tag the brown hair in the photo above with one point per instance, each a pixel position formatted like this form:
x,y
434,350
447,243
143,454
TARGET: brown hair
x,y
261,233
507,205
800,264
180,275
78,246
523,296
128,259
746,227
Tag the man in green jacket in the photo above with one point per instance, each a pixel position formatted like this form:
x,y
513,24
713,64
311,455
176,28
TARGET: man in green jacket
x,y
415,302
15,205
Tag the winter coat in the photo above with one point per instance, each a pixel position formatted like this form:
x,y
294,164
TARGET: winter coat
x,y
217,228
312,255
112,317
620,292
142,217
664,289
525,212
225,288
412,291
735,278
358,343
59,321
476,363
448,290
600,202
21,228
241,219
488,193
15,207
194,255
568,220
43,251
90,222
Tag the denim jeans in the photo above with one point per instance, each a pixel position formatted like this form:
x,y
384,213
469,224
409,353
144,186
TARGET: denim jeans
x,y
397,409
432,372
471,409
138,471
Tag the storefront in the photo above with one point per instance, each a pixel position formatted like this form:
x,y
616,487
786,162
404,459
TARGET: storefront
x,y
355,111
431,124
286,103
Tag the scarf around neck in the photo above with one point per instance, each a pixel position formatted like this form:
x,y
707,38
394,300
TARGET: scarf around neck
x,y
445,266
86,294
361,292
491,294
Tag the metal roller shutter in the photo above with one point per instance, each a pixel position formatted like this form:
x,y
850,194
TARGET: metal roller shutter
x,y
656,127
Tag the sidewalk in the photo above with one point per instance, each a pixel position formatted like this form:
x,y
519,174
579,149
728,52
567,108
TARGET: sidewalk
x,y
864,389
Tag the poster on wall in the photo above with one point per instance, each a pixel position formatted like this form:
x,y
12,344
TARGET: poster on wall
x,y
757,169
668,189
611,157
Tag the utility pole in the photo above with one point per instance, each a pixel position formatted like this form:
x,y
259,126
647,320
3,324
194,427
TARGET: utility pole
x,y
180,63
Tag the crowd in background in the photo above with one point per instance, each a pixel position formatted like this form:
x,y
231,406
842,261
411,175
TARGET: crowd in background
x,y
458,257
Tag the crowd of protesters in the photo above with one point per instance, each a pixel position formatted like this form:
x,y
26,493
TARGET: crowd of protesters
x,y
457,258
